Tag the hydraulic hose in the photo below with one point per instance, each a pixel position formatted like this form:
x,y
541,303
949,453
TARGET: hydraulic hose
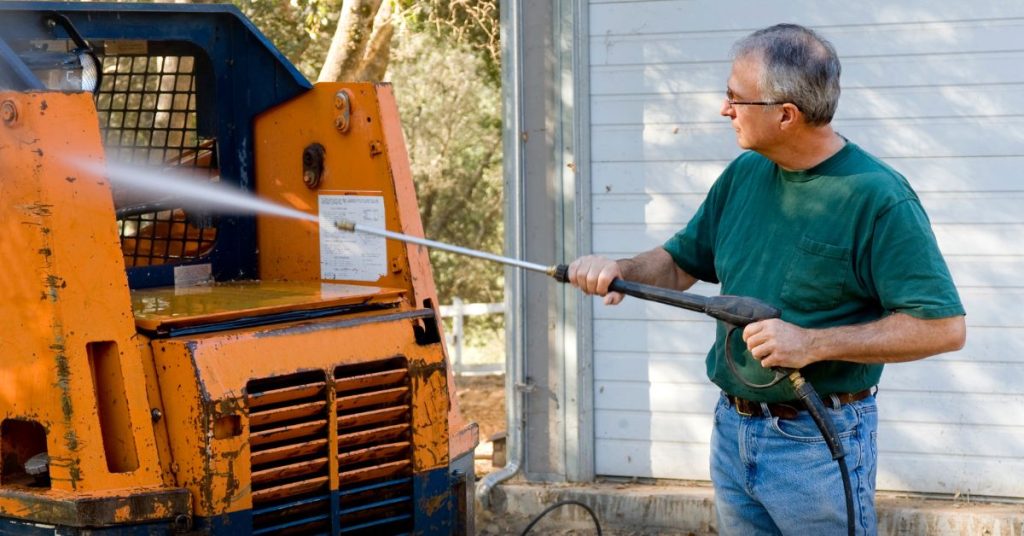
x,y
824,422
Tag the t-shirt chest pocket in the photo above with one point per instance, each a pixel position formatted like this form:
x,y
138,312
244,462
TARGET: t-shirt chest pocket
x,y
816,275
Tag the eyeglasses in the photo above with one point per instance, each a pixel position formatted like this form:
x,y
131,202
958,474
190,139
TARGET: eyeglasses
x,y
748,103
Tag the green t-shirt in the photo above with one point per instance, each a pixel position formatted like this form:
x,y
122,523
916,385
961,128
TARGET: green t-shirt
x,y
846,242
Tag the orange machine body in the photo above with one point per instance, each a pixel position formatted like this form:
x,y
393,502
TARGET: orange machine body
x,y
304,393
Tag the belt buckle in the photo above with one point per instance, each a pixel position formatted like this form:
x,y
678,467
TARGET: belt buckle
x,y
736,405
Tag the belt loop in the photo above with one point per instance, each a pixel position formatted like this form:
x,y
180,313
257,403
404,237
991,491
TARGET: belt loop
x,y
835,401
735,402
765,410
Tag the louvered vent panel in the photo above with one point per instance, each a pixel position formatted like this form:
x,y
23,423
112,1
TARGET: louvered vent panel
x,y
374,415
289,442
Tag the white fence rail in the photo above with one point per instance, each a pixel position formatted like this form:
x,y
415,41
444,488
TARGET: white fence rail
x,y
458,311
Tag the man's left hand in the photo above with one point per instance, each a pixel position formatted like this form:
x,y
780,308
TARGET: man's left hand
x,y
777,343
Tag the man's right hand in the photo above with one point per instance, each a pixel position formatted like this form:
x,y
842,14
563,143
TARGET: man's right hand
x,y
592,274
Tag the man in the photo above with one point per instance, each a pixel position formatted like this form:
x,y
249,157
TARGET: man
x,y
811,223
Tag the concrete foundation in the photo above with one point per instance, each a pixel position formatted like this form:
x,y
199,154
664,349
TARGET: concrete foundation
x,y
626,509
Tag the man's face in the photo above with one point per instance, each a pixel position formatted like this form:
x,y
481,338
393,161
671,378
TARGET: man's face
x,y
756,126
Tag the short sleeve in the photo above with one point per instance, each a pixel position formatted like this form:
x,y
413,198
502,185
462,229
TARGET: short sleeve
x,y
693,248
907,268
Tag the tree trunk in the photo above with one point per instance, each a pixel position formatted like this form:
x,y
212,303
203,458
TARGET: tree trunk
x,y
355,25
378,53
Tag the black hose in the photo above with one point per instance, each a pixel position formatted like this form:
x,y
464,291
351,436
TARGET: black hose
x,y
559,504
848,490
828,430
821,418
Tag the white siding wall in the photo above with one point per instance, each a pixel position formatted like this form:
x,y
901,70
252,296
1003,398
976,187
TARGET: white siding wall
x,y
934,87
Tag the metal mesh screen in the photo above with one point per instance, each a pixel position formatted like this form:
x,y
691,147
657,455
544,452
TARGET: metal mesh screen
x,y
147,113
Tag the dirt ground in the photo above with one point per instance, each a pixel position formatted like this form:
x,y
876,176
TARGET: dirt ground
x,y
482,400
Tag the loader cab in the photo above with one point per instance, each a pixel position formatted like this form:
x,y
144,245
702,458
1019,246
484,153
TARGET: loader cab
x,y
180,90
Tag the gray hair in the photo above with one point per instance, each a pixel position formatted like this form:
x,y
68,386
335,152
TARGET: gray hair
x,y
798,66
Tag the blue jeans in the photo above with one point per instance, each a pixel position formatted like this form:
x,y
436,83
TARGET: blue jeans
x,y
776,476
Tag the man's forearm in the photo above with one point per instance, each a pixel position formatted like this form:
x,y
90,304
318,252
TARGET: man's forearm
x,y
655,267
893,339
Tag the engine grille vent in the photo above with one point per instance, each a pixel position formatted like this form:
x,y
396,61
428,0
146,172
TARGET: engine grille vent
x,y
290,453
374,412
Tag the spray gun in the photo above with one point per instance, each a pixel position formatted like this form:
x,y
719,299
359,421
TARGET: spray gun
x,y
733,311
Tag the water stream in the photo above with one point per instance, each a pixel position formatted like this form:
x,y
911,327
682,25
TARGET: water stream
x,y
187,190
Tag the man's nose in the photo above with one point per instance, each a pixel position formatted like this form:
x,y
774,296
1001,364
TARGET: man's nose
x,y
727,110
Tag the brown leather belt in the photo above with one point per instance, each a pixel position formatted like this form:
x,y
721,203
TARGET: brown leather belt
x,y
790,409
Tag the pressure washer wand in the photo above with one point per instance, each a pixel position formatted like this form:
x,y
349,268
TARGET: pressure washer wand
x,y
533,267
734,310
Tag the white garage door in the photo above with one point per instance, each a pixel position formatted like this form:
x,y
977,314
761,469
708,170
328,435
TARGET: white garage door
x,y
936,89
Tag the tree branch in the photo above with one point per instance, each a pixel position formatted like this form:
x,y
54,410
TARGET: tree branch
x,y
348,45
375,61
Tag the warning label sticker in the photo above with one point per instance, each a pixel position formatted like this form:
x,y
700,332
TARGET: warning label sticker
x,y
348,256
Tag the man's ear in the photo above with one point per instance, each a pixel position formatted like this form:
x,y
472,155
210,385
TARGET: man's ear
x,y
791,116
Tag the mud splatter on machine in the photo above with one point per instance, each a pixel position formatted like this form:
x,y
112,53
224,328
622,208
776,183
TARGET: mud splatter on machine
x,y
168,371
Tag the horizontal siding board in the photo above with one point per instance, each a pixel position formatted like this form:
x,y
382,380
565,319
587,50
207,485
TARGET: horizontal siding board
x,y
641,396
617,457
956,376
958,37
675,368
658,336
932,174
987,272
670,427
957,239
872,72
916,138
654,17
945,438
950,474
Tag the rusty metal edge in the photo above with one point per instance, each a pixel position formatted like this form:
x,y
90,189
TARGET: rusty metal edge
x,y
84,511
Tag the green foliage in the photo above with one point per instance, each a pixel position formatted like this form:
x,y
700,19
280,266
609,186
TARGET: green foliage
x,y
452,124
471,23
301,29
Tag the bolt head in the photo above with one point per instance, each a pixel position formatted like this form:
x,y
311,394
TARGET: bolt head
x,y
8,112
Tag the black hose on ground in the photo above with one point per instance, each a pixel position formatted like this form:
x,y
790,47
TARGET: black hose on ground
x,y
560,504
